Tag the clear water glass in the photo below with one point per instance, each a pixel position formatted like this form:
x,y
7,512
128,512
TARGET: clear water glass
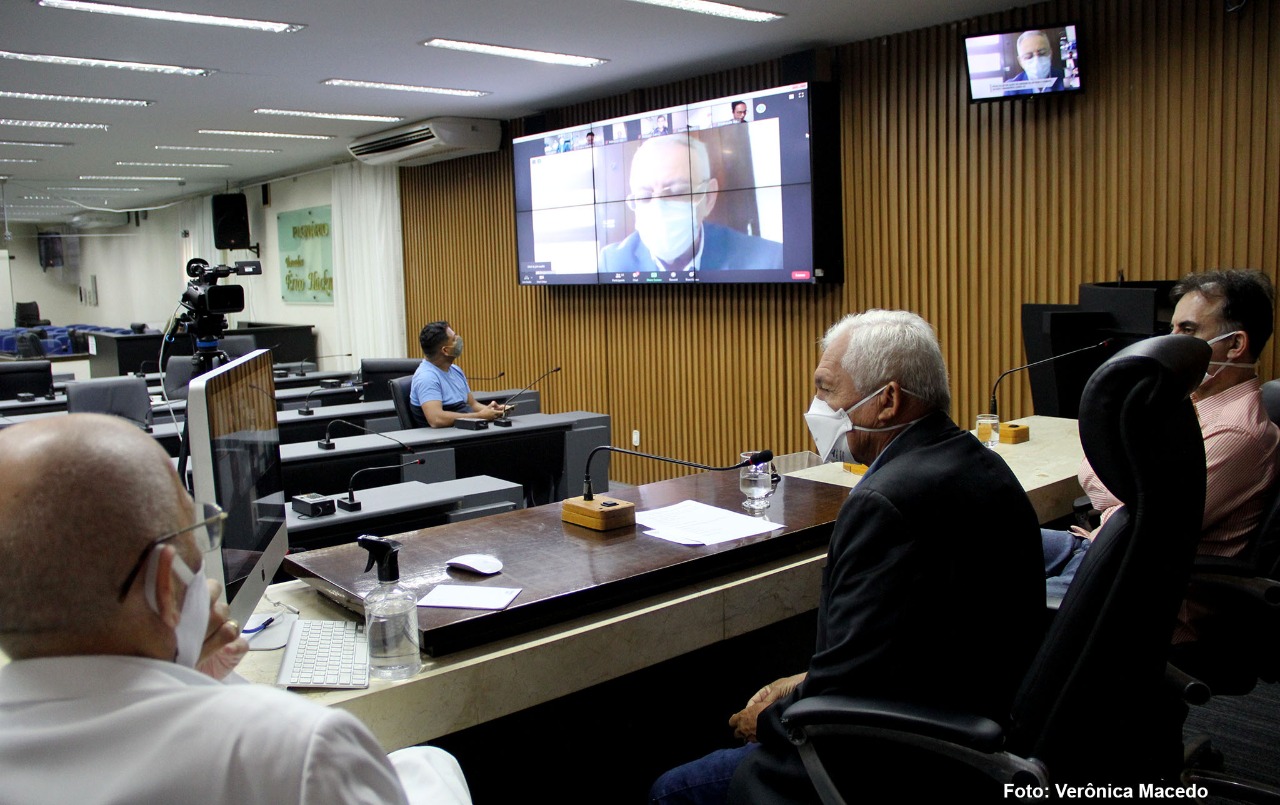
x,y
756,482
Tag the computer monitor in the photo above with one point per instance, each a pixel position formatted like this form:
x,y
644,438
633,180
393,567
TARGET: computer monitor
x,y
25,377
235,461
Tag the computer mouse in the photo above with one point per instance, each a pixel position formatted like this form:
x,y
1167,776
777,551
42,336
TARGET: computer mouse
x,y
481,563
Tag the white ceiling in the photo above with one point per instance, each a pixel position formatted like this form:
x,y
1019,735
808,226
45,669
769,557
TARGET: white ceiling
x,y
374,40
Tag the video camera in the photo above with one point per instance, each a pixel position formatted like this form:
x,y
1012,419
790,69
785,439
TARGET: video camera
x,y
205,297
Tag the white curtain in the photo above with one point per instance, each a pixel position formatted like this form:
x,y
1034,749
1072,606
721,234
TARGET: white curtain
x,y
195,218
368,259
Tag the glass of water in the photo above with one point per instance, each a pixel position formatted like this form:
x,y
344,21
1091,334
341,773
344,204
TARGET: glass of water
x,y
756,482
988,429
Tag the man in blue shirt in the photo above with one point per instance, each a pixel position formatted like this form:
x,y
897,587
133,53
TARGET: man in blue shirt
x,y
440,394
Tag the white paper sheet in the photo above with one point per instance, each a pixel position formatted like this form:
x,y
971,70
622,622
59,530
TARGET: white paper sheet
x,y
467,596
694,523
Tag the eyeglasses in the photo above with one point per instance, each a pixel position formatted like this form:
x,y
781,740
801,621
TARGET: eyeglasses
x,y
676,191
208,537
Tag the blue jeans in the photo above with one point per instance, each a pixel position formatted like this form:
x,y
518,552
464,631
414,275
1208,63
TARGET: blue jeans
x,y
705,781
1063,553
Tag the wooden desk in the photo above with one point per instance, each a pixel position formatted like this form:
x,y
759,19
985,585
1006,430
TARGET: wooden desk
x,y
1046,466
706,600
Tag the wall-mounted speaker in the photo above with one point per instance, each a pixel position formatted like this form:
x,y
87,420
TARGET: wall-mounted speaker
x,y
230,221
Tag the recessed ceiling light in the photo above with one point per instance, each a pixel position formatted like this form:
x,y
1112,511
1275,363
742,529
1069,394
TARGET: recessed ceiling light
x,y
72,61
219,150
41,96
21,207
516,53
173,16
173,165
348,82
716,9
15,160
52,124
132,179
329,115
37,198
34,145
234,133
96,189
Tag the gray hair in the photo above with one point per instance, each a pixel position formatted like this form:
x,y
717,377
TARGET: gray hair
x,y
699,161
1026,34
887,345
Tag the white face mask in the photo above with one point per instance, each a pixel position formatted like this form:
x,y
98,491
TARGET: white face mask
x,y
1211,342
666,227
1037,66
193,621
828,426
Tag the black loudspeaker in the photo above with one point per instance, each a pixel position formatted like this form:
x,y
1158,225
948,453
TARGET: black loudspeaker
x,y
230,221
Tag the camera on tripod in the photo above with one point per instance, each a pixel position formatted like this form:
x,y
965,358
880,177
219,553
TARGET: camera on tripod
x,y
205,297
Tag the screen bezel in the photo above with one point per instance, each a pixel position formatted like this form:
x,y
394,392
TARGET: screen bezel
x,y
216,390
1065,92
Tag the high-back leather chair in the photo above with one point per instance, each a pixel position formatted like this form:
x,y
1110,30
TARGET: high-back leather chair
x,y
1093,707
125,397
400,398
27,314
375,372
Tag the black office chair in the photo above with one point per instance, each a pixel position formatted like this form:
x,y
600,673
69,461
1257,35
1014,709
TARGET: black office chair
x,y
25,377
375,372
237,346
30,345
400,398
125,397
27,314
1094,706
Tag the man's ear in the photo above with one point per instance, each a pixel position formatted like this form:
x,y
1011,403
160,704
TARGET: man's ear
x,y
892,402
167,599
1240,346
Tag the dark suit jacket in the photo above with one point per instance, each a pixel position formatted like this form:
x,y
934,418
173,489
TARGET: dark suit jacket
x,y
722,248
933,592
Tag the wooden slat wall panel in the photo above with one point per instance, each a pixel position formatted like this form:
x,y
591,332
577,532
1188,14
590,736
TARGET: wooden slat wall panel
x,y
1170,162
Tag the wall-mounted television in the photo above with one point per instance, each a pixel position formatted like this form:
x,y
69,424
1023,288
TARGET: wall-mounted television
x,y
1023,63
722,190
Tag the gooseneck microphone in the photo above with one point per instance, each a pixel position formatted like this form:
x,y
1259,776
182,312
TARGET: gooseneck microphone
x,y
502,421
302,367
994,407
327,444
306,409
756,458
603,514
350,504
495,377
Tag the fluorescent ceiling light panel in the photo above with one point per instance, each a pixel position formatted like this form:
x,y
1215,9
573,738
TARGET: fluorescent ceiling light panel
x,y
173,16
516,53
132,178
97,189
349,82
234,133
716,9
51,124
15,160
34,145
173,165
329,115
41,96
72,61
37,198
219,150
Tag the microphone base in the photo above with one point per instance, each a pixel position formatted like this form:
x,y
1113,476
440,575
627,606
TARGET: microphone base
x,y
348,505
305,412
502,423
600,514
326,444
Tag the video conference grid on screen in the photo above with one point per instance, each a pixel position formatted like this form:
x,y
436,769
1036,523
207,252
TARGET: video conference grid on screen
x,y
1017,64
716,191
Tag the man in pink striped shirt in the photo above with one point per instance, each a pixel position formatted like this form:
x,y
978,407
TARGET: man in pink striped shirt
x,y
1232,310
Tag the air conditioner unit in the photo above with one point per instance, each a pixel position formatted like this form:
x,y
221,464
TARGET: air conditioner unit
x,y
95,219
429,141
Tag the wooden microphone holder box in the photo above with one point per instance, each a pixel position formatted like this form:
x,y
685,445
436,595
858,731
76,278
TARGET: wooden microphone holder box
x,y
1014,434
598,514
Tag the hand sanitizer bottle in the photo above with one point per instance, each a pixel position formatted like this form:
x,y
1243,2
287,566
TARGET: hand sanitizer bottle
x,y
391,614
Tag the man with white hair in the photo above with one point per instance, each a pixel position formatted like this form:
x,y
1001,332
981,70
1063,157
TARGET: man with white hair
x,y
672,193
932,591
106,617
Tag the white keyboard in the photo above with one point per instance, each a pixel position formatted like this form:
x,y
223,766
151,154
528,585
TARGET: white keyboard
x,y
325,654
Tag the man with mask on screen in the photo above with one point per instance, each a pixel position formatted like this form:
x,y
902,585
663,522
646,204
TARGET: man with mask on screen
x,y
672,193
932,590
1035,55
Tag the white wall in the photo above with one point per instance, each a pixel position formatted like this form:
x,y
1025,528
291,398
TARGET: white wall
x,y
141,271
